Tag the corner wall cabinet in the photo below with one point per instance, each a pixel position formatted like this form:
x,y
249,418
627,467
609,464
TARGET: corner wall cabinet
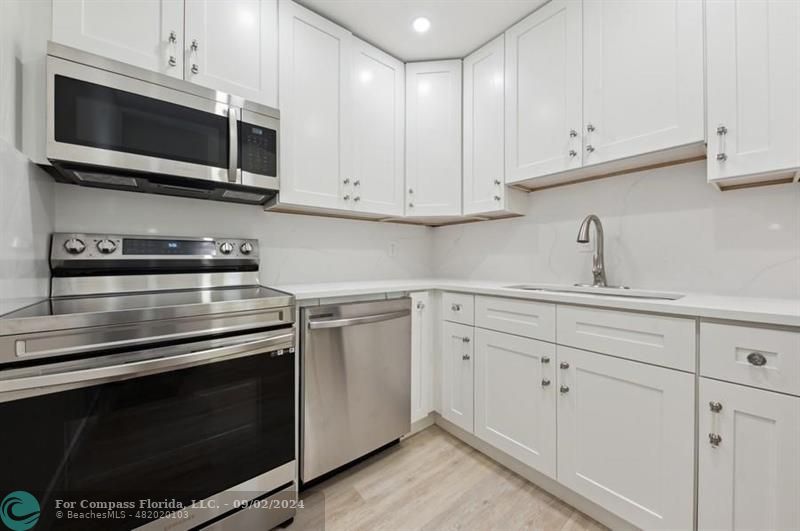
x,y
485,192
753,73
433,139
227,46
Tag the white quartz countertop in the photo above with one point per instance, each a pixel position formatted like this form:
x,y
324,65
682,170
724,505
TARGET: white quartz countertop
x,y
785,312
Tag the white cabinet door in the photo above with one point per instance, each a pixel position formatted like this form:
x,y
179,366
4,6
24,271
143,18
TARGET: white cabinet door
x,y
314,96
137,32
232,46
484,181
422,322
626,437
749,478
543,92
457,374
642,77
515,397
378,179
433,138
753,86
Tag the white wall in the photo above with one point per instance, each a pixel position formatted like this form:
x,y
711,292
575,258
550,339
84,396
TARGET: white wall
x,y
665,229
294,248
26,192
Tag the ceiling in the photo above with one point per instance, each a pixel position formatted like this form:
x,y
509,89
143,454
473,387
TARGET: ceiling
x,y
458,27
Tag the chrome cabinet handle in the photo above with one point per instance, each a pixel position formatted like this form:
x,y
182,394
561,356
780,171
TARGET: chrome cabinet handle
x,y
714,439
465,339
346,197
410,190
573,133
564,389
357,183
573,153
455,307
420,305
465,357
497,182
757,359
173,42
357,198
497,198
346,181
716,407
545,382
563,365
545,359
411,205
590,128
722,132
590,148
195,45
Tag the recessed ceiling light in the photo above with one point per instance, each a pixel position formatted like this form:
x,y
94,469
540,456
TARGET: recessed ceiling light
x,y
421,24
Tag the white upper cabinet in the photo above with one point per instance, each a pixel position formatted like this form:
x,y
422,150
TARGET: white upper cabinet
x,y
642,77
143,33
753,75
378,110
484,118
314,97
543,92
232,46
433,138
749,470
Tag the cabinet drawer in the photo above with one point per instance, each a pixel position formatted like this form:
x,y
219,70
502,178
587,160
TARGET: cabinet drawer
x,y
769,359
458,308
665,341
523,318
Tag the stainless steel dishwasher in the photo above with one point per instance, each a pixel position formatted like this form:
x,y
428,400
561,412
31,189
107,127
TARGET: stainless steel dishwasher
x,y
356,381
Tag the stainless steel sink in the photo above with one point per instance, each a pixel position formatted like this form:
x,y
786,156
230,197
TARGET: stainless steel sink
x,y
610,291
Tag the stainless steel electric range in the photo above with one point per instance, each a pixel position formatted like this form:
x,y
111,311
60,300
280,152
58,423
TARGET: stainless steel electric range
x,y
159,380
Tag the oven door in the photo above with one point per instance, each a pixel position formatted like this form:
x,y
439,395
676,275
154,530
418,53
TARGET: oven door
x,y
104,119
181,423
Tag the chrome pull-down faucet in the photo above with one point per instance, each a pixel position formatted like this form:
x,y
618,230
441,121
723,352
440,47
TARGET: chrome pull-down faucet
x,y
598,260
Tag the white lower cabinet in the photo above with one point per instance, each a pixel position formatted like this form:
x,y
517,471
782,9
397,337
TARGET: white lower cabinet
x,y
625,437
422,323
457,374
749,452
515,397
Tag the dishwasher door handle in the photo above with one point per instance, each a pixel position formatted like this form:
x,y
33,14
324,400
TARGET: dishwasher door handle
x,y
315,324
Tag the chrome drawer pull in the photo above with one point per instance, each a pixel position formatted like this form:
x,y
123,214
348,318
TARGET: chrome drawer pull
x,y
714,439
757,359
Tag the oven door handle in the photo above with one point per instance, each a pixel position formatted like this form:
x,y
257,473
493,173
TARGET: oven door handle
x,y
315,324
134,369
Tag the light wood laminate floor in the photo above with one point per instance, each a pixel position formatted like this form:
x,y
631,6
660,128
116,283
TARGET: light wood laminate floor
x,y
432,481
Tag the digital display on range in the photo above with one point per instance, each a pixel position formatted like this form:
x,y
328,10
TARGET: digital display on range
x,y
134,246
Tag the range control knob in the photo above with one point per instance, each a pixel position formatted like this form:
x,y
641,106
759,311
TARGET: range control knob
x,y
246,248
106,246
74,246
226,248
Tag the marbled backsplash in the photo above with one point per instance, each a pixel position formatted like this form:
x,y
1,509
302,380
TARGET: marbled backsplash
x,y
664,229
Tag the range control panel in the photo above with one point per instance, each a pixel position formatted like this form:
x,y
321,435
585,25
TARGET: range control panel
x,y
79,246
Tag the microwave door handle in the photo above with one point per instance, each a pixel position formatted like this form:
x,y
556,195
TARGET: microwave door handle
x,y
233,152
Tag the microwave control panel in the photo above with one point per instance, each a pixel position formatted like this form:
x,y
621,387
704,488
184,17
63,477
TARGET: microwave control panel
x,y
258,151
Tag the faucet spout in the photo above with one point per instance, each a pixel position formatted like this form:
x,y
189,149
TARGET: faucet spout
x,y
598,259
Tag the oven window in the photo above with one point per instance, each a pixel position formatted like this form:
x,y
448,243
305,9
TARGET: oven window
x,y
101,117
183,435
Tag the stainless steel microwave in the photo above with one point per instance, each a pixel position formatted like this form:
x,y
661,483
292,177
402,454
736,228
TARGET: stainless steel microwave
x,y
113,125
